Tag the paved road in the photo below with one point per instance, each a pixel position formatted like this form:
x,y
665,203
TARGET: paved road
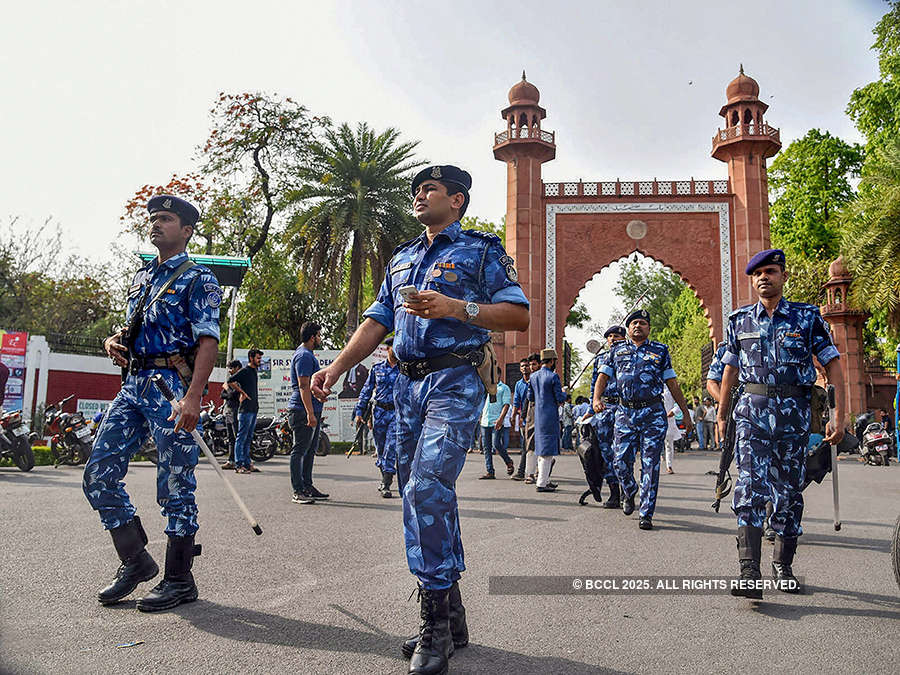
x,y
325,589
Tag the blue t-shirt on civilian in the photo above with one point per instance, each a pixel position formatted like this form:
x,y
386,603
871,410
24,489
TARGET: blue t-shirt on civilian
x,y
303,364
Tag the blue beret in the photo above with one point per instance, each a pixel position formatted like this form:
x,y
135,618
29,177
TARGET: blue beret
x,y
183,209
445,173
772,256
614,330
637,314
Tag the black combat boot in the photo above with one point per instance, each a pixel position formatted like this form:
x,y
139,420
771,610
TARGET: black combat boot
x,y
785,548
749,545
435,643
459,631
137,565
614,497
178,584
628,505
386,480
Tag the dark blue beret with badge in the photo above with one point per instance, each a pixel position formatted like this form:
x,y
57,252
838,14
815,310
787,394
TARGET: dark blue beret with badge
x,y
445,173
637,314
614,330
772,256
186,211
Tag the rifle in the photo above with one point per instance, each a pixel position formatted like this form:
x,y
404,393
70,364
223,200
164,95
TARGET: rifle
x,y
723,478
834,464
362,430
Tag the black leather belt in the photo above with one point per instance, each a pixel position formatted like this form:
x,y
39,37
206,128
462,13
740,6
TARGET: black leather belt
x,y
384,406
776,390
141,362
419,369
610,400
638,403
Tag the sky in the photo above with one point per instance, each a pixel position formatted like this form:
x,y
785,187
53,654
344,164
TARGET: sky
x,y
103,97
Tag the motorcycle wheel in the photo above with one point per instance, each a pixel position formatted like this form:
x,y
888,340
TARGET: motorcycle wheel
x,y
57,452
80,454
285,445
324,446
895,552
263,448
23,455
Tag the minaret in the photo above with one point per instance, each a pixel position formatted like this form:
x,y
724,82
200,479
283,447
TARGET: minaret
x,y
524,146
847,330
745,144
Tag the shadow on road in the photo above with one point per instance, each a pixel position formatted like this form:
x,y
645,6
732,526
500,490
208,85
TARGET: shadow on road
x,y
246,625
795,612
468,513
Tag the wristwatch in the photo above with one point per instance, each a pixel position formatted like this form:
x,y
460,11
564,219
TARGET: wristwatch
x,y
472,310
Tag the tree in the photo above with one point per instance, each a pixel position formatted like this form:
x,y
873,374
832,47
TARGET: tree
x,y
354,209
811,182
871,238
875,107
274,308
475,223
645,283
257,148
44,291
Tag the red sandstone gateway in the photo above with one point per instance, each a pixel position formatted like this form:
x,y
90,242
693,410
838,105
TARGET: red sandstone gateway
x,y
705,230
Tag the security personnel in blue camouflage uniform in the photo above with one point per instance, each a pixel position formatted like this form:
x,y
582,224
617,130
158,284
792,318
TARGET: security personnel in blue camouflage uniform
x,y
380,384
769,350
173,330
604,422
641,367
443,293
714,387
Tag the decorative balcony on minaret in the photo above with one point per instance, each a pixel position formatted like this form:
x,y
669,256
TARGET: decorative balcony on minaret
x,y
523,133
744,145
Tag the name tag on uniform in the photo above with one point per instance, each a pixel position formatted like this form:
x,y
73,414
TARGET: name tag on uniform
x,y
401,267
748,336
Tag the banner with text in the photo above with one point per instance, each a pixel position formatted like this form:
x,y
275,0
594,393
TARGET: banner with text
x,y
337,411
12,370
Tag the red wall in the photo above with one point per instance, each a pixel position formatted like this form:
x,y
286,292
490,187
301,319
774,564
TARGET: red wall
x,y
61,383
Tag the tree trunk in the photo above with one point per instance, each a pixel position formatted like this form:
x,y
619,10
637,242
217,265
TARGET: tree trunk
x,y
357,261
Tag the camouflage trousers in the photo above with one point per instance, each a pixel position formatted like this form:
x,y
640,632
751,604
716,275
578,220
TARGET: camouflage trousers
x,y
436,422
771,436
138,409
384,433
604,424
641,430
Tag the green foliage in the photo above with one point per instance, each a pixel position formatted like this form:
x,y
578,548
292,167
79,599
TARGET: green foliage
x,y
647,284
475,223
811,181
578,316
42,290
875,107
684,349
806,278
274,306
871,238
352,210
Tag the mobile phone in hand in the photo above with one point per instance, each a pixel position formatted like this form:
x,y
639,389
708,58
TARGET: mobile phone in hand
x,y
406,291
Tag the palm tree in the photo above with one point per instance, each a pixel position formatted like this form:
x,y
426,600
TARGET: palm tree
x,y
871,236
355,208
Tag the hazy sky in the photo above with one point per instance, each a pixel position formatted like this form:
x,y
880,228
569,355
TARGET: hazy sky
x,y
103,97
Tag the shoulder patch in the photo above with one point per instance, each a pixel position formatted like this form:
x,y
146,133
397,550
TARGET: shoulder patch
x,y
490,236
404,245
211,288
214,299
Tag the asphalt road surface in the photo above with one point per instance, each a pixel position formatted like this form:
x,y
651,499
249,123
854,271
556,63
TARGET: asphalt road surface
x,y
325,588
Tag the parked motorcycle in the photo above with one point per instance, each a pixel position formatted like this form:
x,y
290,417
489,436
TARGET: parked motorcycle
x,y
265,439
14,440
286,438
215,430
70,442
876,445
